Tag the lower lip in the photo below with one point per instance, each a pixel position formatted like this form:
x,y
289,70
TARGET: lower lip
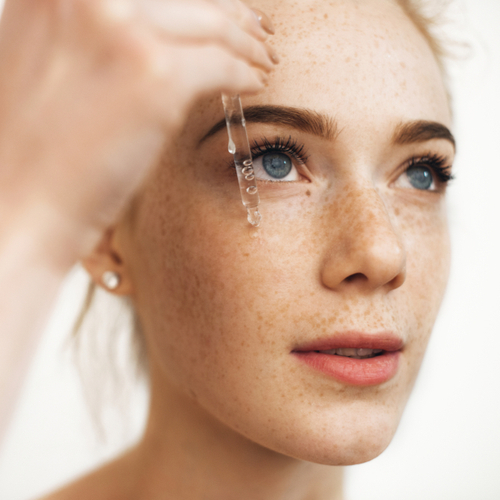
x,y
369,371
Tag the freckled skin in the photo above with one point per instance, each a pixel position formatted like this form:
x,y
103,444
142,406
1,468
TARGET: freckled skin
x,y
221,311
346,248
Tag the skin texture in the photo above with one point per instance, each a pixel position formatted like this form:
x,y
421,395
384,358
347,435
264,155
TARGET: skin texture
x,y
348,246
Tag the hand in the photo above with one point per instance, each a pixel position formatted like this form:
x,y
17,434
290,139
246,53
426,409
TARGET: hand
x,y
90,91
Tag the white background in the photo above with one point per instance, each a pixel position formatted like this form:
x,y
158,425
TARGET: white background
x,y
448,444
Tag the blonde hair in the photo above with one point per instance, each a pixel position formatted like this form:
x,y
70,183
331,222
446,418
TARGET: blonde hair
x,y
427,17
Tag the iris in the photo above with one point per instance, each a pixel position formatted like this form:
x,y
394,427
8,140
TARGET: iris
x,y
277,165
420,177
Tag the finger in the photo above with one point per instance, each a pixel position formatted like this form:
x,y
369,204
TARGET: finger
x,y
204,71
265,21
206,24
245,17
218,70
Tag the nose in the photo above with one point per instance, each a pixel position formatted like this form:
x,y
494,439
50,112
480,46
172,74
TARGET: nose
x,y
366,251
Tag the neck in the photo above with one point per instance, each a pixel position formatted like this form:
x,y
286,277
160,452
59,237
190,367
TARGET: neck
x,y
187,454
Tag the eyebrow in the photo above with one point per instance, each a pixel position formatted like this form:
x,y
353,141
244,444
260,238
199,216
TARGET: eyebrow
x,y
421,131
326,127
298,118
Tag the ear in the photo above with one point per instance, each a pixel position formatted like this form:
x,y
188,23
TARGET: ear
x,y
105,257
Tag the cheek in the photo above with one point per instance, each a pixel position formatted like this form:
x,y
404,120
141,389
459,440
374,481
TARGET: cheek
x,y
426,239
209,287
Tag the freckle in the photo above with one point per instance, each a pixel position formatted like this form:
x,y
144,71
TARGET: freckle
x,y
326,16
308,193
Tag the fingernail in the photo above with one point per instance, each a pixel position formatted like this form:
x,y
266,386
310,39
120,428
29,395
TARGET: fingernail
x,y
272,54
265,22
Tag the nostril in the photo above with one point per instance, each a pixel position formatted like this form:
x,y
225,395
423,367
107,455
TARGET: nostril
x,y
356,277
399,279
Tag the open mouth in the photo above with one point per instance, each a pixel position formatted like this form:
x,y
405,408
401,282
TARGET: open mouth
x,y
351,352
354,358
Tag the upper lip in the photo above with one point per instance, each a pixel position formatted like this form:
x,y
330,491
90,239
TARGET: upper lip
x,y
386,341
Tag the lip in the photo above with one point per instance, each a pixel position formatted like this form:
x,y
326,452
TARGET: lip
x,y
361,372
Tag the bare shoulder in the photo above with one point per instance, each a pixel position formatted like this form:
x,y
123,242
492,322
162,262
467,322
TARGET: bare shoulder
x,y
113,481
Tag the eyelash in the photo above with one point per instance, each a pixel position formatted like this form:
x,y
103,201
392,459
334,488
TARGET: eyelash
x,y
290,146
436,163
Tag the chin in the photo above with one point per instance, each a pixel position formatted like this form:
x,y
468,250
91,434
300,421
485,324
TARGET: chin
x,y
343,441
360,451
350,451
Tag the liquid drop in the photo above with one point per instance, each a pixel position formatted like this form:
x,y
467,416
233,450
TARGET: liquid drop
x,y
253,216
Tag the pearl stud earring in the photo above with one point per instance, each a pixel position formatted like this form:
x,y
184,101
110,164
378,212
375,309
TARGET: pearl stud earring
x,y
111,280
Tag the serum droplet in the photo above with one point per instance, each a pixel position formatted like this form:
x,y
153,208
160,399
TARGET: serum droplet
x,y
252,189
253,216
231,147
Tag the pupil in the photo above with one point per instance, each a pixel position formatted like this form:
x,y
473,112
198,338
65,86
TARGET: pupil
x,y
277,165
420,177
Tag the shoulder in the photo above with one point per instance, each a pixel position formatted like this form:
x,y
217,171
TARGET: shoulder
x,y
113,481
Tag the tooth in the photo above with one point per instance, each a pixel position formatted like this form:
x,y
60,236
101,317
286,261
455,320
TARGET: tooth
x,y
347,351
352,352
364,352
331,351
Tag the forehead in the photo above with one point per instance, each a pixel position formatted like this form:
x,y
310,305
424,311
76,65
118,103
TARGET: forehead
x,y
350,59
369,45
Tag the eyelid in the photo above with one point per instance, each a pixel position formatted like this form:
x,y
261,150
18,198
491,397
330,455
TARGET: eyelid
x,y
439,165
281,144
288,145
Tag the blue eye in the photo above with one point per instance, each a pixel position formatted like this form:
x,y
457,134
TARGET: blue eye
x,y
277,165
279,161
420,177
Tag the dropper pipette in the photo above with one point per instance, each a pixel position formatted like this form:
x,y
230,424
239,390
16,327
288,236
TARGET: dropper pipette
x,y
239,147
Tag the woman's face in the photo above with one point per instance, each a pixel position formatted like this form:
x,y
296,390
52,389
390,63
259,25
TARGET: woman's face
x,y
352,250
